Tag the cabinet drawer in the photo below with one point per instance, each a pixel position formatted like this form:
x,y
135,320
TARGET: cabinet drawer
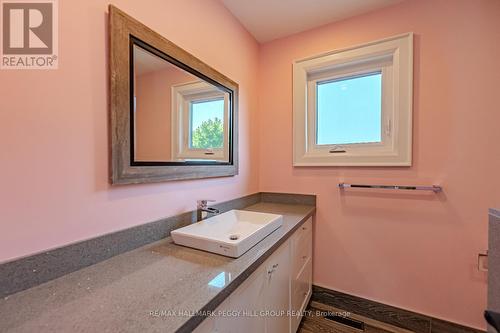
x,y
304,230
301,286
301,291
302,248
302,254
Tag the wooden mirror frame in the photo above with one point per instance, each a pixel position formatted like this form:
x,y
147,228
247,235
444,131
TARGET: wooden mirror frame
x,y
121,28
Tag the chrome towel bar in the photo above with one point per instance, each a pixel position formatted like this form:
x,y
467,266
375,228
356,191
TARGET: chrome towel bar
x,y
433,188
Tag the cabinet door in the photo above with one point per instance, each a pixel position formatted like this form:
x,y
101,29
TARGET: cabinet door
x,y
215,324
241,311
278,291
246,305
206,326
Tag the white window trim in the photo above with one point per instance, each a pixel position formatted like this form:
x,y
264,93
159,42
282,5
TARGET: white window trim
x,y
182,97
393,57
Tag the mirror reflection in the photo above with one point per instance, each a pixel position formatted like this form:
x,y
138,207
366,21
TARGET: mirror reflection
x,y
177,116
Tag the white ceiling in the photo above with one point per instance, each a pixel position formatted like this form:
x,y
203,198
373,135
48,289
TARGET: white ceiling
x,y
271,19
146,62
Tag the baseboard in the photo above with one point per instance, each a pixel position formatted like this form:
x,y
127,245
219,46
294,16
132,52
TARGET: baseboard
x,y
392,315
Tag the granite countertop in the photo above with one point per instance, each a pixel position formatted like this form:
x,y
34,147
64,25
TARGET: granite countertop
x,y
155,288
495,212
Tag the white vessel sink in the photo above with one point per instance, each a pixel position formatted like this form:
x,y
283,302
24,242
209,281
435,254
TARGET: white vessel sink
x,y
230,234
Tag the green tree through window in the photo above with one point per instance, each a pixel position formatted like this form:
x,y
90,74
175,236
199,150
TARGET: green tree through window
x,y
210,134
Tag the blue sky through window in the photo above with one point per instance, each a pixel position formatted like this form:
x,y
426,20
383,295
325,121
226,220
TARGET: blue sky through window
x,y
350,110
204,110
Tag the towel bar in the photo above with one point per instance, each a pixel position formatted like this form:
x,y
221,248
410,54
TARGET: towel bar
x,y
433,188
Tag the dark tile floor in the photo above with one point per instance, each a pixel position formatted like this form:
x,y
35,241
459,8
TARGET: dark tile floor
x,y
314,321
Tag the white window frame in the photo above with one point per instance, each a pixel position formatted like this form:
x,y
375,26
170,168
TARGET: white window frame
x,y
393,58
183,95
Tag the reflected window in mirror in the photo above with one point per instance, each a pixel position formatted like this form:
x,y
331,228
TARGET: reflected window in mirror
x,y
200,127
177,116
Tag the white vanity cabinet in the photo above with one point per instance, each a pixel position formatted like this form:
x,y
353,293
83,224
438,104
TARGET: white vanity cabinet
x,y
277,291
245,304
264,302
301,273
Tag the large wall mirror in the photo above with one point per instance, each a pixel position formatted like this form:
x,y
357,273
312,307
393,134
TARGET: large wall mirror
x,y
178,117
173,117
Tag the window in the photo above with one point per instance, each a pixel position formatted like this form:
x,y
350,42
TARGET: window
x,y
206,125
200,122
349,110
354,107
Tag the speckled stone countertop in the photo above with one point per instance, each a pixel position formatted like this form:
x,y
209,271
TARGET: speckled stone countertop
x,y
494,211
155,288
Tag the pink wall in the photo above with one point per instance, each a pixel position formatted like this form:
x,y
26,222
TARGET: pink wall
x,y
54,134
416,251
153,136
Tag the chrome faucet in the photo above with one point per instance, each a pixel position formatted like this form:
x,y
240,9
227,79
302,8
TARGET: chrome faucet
x,y
202,209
